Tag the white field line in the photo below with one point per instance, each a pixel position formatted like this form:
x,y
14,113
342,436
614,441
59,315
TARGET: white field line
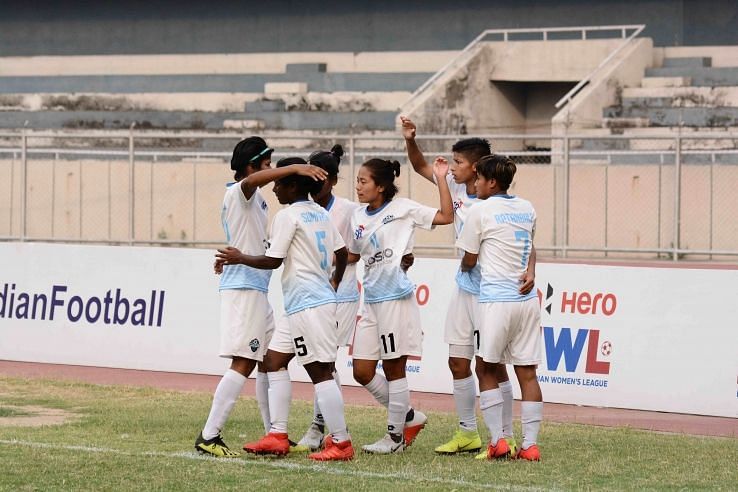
x,y
341,469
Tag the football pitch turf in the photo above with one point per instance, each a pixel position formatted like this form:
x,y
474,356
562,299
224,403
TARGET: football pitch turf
x,y
117,437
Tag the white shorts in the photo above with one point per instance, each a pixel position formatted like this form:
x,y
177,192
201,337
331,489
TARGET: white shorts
x,y
510,332
346,314
246,323
310,334
462,318
389,330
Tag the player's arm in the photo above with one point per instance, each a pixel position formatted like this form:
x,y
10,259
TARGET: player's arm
x,y
232,256
341,260
266,176
468,261
417,159
528,280
446,213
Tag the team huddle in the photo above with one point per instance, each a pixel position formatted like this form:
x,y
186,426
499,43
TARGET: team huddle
x,y
493,315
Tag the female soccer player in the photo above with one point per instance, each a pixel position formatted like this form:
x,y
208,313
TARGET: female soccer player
x,y
347,296
462,321
498,235
305,240
389,329
246,321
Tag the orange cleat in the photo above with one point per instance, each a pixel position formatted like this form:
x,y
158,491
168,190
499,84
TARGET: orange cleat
x,y
499,451
530,454
334,451
275,443
414,426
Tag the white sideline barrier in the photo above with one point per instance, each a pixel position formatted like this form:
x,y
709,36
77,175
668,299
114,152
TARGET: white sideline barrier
x,y
628,337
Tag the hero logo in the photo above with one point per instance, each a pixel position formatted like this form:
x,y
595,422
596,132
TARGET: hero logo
x,y
569,343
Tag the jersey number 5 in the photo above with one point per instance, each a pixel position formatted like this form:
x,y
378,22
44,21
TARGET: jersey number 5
x,y
320,237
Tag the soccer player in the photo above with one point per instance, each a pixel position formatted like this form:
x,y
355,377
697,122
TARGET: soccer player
x,y
498,234
461,329
347,296
305,240
246,320
389,329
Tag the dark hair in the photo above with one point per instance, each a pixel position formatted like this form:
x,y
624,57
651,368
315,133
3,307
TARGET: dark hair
x,y
328,161
473,148
250,152
498,167
384,174
305,184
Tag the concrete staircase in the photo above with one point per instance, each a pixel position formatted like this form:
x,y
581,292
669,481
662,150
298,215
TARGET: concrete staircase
x,y
683,96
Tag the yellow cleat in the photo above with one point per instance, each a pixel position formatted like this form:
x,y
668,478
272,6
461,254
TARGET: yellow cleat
x,y
214,447
463,442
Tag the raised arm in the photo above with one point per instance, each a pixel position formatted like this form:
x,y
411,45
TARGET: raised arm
x,y
232,256
413,151
266,176
446,213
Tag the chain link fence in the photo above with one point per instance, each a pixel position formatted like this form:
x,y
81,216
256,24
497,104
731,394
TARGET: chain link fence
x,y
616,196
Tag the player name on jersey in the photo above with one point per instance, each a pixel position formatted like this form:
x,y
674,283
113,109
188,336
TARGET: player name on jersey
x,y
111,309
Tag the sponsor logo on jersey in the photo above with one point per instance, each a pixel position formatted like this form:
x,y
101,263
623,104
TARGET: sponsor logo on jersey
x,y
379,257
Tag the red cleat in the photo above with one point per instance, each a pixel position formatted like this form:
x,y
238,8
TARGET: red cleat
x,y
414,426
273,443
530,454
334,451
499,451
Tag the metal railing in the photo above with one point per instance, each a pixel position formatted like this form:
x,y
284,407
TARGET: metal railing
x,y
545,32
665,196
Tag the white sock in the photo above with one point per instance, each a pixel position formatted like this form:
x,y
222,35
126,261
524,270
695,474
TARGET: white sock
x,y
331,401
226,394
531,415
262,398
379,389
465,397
280,394
490,402
317,415
507,409
399,404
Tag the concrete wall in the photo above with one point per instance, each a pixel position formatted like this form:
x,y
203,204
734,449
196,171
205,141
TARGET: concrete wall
x,y
626,68
76,27
623,206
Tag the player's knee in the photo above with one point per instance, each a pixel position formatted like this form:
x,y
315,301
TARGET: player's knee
x,y
362,375
460,368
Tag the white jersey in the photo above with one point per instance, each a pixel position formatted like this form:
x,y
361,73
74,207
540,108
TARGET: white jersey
x,y
305,237
245,225
340,211
467,281
382,237
500,230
